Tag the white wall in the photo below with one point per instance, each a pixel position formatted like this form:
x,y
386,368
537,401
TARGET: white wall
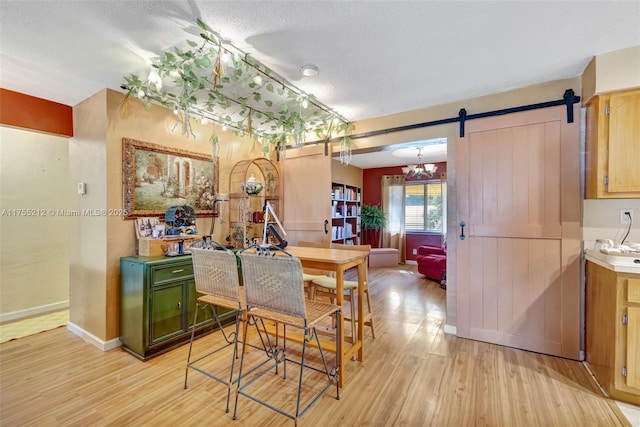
x,y
34,245
601,220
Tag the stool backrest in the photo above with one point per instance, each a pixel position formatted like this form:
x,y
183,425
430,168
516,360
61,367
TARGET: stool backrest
x,y
273,283
216,273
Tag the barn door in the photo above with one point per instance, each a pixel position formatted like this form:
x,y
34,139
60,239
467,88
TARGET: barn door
x,y
519,263
307,195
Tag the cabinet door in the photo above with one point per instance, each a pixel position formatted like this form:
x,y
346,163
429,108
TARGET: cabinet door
x,y
633,347
624,142
166,312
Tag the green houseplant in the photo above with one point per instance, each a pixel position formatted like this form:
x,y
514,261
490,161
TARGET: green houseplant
x,y
372,221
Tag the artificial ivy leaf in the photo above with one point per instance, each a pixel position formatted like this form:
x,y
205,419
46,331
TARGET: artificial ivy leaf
x,y
268,103
203,25
192,43
256,96
270,87
280,91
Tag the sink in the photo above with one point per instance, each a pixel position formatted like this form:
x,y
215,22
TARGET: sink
x,y
625,263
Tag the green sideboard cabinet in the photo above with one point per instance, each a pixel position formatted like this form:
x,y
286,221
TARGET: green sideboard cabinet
x,y
157,304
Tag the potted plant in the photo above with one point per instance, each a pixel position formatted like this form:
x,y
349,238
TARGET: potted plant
x,y
372,220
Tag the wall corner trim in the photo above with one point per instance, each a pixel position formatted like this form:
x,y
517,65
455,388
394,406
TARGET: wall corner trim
x,y
92,339
450,329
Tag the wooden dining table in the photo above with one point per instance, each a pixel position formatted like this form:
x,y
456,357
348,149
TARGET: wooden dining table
x,y
338,260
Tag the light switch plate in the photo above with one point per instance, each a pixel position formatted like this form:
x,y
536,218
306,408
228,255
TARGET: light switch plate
x,y
82,188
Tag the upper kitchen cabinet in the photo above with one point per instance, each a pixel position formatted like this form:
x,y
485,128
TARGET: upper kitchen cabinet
x,y
613,146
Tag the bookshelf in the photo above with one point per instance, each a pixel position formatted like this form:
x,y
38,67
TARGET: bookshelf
x,y
345,213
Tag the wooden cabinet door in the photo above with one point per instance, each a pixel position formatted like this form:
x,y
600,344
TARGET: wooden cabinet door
x,y
633,347
166,312
624,142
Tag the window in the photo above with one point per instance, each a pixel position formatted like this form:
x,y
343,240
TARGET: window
x,y
423,206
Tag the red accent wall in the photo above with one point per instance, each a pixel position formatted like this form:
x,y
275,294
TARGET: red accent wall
x,y
28,112
371,181
372,195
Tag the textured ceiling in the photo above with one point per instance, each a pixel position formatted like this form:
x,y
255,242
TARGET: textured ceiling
x,y
375,57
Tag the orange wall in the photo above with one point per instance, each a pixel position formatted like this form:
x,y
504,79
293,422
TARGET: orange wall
x,y
28,112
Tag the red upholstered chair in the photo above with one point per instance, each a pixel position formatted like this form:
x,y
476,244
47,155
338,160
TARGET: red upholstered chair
x,y
432,262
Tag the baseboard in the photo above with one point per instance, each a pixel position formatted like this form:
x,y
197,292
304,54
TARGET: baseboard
x,y
450,329
411,261
33,311
92,339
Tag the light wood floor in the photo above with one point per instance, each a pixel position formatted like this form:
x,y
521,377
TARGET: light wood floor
x,y
413,375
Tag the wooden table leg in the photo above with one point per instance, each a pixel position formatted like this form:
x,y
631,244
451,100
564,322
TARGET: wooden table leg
x,y
340,325
361,277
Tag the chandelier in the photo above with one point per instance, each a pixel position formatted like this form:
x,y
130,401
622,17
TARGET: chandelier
x,y
213,81
419,170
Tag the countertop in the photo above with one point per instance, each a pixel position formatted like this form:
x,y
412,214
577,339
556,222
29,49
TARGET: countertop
x,y
620,263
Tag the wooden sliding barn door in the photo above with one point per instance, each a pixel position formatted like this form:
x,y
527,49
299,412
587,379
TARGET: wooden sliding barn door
x,y
519,263
307,195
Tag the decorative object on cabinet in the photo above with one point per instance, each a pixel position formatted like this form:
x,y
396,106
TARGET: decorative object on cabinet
x,y
180,220
345,213
248,200
212,80
372,220
612,331
154,242
612,147
157,177
252,186
157,304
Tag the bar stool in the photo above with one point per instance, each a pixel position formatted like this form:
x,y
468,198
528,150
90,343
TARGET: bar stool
x,y
217,278
309,274
275,292
326,287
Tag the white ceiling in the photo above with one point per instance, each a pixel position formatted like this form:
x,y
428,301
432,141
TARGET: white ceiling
x,y
375,57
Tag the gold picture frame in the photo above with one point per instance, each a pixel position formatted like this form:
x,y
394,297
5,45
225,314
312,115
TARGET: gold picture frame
x,y
156,177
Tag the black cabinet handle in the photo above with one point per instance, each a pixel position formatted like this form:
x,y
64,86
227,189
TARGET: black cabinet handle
x,y
462,225
326,222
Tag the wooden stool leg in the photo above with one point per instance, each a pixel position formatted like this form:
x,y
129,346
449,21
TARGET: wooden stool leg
x,y
368,296
352,306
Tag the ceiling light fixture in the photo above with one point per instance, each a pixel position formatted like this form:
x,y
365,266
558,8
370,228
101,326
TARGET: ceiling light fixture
x,y
309,70
215,80
416,171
